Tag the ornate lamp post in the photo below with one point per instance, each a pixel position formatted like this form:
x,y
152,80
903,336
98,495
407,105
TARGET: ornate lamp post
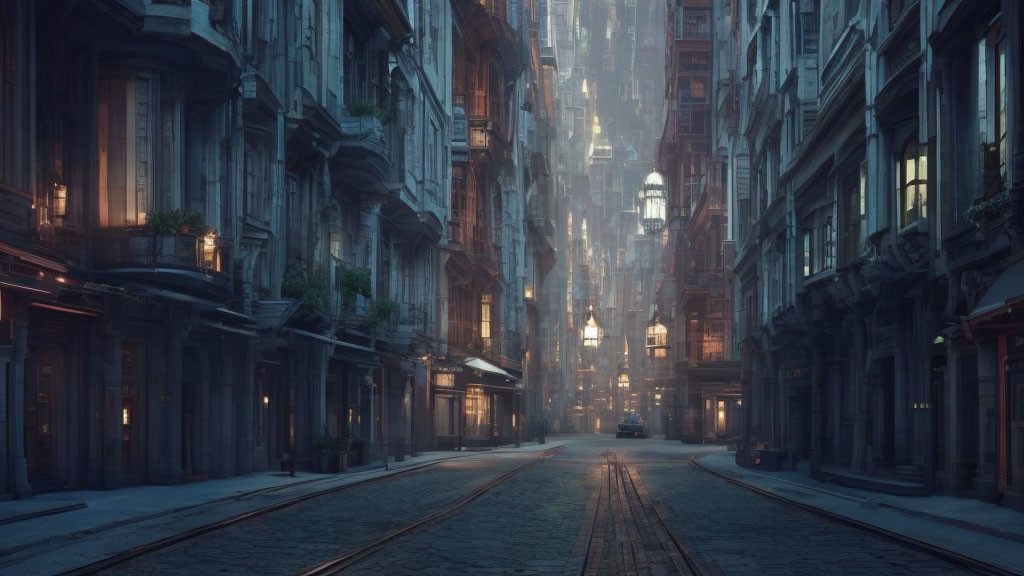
x,y
657,338
591,330
652,204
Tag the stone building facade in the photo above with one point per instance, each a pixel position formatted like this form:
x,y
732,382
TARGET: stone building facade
x,y
227,226
874,167
696,300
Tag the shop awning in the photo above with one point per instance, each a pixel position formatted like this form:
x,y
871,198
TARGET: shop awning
x,y
1007,290
328,339
486,367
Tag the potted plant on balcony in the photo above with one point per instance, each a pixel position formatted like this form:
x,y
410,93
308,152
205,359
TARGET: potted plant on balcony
x,y
383,308
303,283
364,109
353,282
168,226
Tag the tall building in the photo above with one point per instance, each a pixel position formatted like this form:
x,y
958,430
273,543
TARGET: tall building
x,y
233,230
704,399
875,162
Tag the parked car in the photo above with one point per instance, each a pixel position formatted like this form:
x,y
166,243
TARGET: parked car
x,y
632,426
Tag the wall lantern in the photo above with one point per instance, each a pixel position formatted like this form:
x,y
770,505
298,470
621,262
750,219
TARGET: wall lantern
x,y
59,208
591,330
652,204
657,338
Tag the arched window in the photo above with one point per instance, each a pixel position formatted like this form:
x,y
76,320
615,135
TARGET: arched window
x,y
912,178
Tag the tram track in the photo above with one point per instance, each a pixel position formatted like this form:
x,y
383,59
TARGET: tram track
x,y
342,562
629,535
142,550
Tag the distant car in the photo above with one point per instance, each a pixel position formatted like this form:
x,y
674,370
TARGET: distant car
x,y
632,426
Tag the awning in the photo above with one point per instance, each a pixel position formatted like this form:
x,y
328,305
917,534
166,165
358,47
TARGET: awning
x,y
328,339
485,366
1007,290
230,329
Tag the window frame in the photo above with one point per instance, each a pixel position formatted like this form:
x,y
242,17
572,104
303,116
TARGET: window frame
x,y
919,157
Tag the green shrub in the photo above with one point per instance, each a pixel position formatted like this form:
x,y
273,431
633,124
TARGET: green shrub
x,y
365,108
308,285
383,308
354,281
177,222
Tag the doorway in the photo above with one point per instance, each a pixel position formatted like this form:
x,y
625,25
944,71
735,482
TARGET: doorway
x,y
43,425
132,402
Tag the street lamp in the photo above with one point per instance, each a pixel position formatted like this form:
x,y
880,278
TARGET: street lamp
x,y
657,338
652,204
591,330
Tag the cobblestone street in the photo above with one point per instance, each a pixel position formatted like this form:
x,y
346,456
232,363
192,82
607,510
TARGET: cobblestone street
x,y
541,521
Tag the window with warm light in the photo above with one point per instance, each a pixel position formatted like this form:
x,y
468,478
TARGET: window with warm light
x,y
657,339
485,316
138,122
912,172
211,256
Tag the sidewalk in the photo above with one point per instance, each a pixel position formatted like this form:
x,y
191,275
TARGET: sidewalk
x,y
978,530
60,531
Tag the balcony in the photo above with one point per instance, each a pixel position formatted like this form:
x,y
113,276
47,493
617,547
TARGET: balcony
x,y
181,260
463,334
364,156
704,282
490,23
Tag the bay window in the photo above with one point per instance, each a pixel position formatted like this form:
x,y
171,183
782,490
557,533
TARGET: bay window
x,y
138,135
912,179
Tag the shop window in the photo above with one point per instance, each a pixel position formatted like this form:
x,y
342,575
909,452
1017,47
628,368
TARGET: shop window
x,y
912,172
714,342
477,413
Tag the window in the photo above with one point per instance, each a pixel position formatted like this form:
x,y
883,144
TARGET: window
x,y
696,24
485,316
693,121
138,125
477,413
912,179
853,212
12,115
691,90
357,67
819,243
1000,101
809,30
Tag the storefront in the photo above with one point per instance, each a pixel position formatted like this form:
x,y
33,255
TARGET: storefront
x,y
476,403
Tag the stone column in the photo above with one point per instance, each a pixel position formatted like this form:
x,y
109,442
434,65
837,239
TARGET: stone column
x,y
988,365
245,372
172,402
112,416
319,357
202,464
18,463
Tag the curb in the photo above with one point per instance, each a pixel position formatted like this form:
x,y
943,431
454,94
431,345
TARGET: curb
x,y
953,557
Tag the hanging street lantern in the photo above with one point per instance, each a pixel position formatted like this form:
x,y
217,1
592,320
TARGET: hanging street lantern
x,y
657,338
652,204
591,330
